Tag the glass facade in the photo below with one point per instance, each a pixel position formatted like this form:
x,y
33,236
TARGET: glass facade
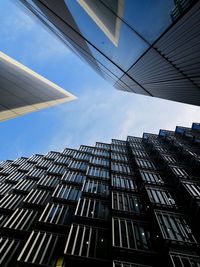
x,y
124,204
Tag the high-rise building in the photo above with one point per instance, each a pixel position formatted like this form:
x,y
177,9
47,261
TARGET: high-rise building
x,y
146,47
132,203
23,91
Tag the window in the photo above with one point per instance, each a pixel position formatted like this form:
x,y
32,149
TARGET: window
x,y
119,142
36,173
119,149
146,164
19,161
92,208
39,249
44,163
82,156
101,152
11,201
178,171
73,177
121,167
35,158
78,165
123,182
179,259
140,154
21,219
48,181
86,241
88,149
192,188
26,167
160,196
151,177
169,159
96,187
58,214
67,192
100,161
127,203
69,152
102,145
24,185
37,197
9,248
98,172
56,169
130,234
62,159
52,155
174,227
9,170
5,188
137,146
119,157
132,139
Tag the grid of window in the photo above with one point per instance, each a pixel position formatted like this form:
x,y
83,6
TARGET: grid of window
x,y
183,259
119,157
52,155
69,152
130,234
92,208
11,201
160,196
3,218
73,177
3,164
123,182
136,146
21,219
67,192
174,227
151,177
37,197
78,165
26,167
119,142
121,168
127,203
9,170
85,241
39,249
98,172
58,214
3,178
132,139
169,159
96,187
100,161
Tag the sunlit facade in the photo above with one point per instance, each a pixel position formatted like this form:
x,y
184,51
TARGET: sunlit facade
x,y
23,91
133,203
145,47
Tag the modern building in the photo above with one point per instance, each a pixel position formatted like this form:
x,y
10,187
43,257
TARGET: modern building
x,y
132,203
23,91
145,47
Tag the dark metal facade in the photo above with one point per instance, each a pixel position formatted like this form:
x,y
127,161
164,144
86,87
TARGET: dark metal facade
x,y
156,46
125,204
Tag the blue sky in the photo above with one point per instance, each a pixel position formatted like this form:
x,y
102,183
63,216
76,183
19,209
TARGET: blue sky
x,y
100,112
